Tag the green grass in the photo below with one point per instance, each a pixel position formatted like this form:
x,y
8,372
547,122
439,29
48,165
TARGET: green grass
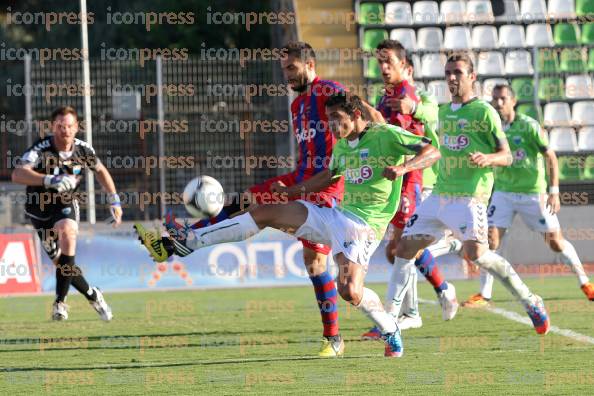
x,y
264,341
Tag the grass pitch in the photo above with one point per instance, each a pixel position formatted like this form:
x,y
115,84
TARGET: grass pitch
x,y
265,342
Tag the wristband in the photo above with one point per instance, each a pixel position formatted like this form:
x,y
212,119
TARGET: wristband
x,y
114,199
554,190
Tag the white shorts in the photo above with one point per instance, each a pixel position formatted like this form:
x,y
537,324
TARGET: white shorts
x,y
466,217
346,233
531,207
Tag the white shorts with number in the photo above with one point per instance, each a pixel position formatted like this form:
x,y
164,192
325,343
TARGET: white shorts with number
x,y
346,233
531,207
466,217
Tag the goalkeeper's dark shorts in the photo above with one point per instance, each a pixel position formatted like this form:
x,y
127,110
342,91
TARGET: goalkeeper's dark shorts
x,y
44,223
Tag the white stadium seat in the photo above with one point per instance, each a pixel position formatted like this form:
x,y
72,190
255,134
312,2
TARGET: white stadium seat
x,y
439,89
563,139
420,86
583,113
417,66
452,11
479,11
533,10
511,12
539,35
425,13
430,39
518,62
484,37
457,38
398,13
432,65
488,85
512,36
561,9
586,139
557,114
491,63
406,37
579,87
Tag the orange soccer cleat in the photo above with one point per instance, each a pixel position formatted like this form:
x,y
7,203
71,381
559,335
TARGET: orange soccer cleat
x,y
588,289
477,301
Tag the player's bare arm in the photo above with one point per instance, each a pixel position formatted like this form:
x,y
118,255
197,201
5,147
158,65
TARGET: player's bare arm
x,y
104,178
501,157
319,182
425,158
553,202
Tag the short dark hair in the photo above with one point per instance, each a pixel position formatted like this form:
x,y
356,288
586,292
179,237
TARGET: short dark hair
x,y
409,60
62,111
505,86
347,102
462,57
299,49
393,45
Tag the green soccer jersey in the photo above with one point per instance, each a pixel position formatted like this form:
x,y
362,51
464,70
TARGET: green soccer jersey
x,y
527,174
426,112
367,194
473,127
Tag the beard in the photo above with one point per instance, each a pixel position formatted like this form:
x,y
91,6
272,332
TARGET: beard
x,y
300,83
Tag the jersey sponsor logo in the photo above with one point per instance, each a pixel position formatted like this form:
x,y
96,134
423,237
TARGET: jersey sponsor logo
x,y
519,155
457,142
66,211
305,135
76,169
358,176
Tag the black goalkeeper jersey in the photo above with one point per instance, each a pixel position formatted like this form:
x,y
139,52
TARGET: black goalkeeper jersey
x,y
47,160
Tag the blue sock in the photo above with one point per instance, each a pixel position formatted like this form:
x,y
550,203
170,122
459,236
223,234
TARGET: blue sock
x,y
428,267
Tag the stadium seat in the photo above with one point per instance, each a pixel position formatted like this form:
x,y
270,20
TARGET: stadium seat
x,y
590,65
572,60
582,113
488,85
479,11
563,139
524,88
417,67
430,39
432,65
587,36
557,114
579,87
512,36
484,37
457,38
406,37
371,14
425,13
569,167
551,88
588,170
491,63
372,37
566,34
420,86
539,35
518,62
398,13
373,70
584,7
533,10
530,110
452,11
548,61
511,12
586,139
439,89
561,9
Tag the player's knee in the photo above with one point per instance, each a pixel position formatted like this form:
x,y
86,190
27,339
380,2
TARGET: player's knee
x,y
556,244
66,229
350,292
406,250
315,262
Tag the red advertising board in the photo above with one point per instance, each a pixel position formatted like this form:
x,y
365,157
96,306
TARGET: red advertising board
x,y
19,264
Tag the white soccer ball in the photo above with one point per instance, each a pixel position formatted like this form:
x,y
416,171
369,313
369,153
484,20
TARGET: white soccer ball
x,y
204,197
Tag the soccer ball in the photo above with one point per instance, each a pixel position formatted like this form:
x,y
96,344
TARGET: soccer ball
x,y
204,197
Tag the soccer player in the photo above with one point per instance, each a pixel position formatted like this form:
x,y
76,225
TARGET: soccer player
x,y
52,169
402,105
521,189
472,143
371,160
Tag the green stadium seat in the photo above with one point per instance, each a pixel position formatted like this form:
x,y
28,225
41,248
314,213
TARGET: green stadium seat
x,y
551,88
548,61
373,70
524,88
584,7
572,60
530,110
371,14
590,65
372,37
569,168
566,34
374,93
589,168
587,36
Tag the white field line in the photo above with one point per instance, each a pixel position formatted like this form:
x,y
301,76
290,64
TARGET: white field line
x,y
516,317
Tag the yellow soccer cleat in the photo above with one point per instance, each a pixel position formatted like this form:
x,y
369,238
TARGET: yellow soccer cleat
x,y
332,347
476,301
153,242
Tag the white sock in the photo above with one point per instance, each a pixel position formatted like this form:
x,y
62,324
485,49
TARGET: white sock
x,y
570,258
372,307
486,284
502,269
236,229
403,272
445,246
410,304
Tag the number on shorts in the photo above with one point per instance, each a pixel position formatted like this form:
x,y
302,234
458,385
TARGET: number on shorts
x,y
491,211
412,220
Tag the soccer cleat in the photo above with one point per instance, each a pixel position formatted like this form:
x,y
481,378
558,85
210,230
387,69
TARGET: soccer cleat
x,y
60,311
101,306
332,347
477,301
153,242
373,334
538,314
394,347
178,235
449,303
406,322
588,289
